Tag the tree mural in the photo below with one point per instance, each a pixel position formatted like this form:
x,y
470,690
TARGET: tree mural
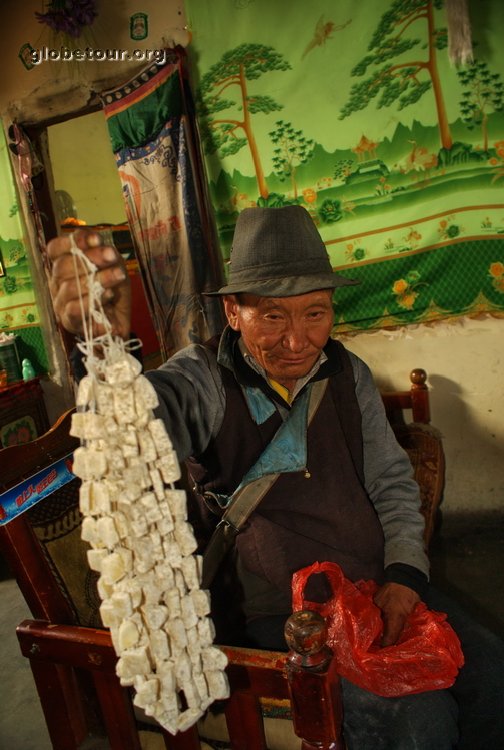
x,y
293,149
404,82
227,134
484,92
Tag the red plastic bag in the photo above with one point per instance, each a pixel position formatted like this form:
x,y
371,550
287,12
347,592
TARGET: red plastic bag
x,y
426,657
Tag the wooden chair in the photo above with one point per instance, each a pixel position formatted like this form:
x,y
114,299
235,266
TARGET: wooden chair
x,y
408,412
72,658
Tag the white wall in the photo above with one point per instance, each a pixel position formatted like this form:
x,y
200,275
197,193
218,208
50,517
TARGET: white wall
x,y
53,89
464,364
92,181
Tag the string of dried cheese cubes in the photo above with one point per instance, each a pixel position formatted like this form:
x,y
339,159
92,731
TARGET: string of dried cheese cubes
x,y
141,543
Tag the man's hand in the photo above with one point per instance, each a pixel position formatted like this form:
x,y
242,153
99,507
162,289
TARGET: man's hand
x,y
112,276
396,603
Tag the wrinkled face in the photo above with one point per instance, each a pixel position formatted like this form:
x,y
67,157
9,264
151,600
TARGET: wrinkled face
x,y
284,334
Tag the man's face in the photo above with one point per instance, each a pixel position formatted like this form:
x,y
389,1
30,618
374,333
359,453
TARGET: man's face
x,y
284,334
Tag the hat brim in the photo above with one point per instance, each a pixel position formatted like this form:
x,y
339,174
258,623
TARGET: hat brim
x,y
286,286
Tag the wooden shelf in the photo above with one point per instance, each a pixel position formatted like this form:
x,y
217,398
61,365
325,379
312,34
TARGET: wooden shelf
x,y
23,414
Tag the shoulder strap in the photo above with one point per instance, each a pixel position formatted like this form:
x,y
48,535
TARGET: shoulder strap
x,y
244,503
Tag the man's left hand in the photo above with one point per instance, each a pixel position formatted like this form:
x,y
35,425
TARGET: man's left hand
x,y
396,603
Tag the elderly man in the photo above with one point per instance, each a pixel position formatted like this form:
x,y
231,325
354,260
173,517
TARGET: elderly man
x,y
276,400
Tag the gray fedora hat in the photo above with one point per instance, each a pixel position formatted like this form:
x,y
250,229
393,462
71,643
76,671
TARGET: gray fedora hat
x,y
278,252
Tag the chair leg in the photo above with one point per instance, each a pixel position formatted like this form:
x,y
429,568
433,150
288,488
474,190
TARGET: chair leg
x,y
245,721
117,711
61,704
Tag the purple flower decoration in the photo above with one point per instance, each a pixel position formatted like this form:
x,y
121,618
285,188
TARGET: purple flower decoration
x,y
69,16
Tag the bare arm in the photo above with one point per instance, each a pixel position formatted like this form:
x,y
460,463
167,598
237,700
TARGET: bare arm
x,y
64,287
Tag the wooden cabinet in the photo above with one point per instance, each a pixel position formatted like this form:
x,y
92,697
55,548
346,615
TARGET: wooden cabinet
x,y
23,414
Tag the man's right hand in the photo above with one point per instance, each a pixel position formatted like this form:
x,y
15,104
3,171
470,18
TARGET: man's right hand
x,y
112,275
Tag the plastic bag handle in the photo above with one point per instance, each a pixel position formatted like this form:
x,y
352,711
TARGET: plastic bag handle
x,y
300,578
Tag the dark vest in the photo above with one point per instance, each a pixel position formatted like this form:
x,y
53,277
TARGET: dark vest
x,y
326,517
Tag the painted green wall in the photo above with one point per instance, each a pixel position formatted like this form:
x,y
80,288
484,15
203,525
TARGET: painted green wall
x,y
83,165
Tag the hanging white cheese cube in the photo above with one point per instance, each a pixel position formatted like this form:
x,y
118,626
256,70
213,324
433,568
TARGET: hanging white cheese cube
x,y
133,662
151,507
202,687
189,616
115,459
95,558
107,531
137,473
85,395
159,647
218,686
139,527
164,575
122,604
89,531
110,617
167,719
188,718
189,568
166,673
112,568
132,587
147,446
85,498
105,590
213,658
129,442
124,406
129,635
169,467
183,669
155,615
165,524
201,601
88,463
121,524
145,394
158,431
157,484
101,497
206,631
147,691
87,425
184,536
172,601
177,501
179,582
110,426
176,630
123,371
171,551
105,399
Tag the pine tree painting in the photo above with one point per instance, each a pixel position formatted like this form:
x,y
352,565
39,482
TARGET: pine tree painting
x,y
407,79
226,106
292,150
483,93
